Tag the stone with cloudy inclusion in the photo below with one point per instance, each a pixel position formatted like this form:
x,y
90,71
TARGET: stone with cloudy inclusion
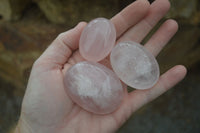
x,y
94,87
97,39
134,65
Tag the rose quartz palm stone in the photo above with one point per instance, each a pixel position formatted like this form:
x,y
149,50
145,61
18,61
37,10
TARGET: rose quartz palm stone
x,y
97,39
134,65
94,87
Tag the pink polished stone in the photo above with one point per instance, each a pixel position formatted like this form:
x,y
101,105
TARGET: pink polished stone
x,y
134,65
97,39
94,87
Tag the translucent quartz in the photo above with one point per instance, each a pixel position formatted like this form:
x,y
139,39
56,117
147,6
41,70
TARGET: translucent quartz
x,y
97,39
94,87
134,65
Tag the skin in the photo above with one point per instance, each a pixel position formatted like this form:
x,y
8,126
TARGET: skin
x,y
47,108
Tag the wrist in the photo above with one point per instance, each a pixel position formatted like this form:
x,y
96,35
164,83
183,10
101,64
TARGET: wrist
x,y
21,127
16,130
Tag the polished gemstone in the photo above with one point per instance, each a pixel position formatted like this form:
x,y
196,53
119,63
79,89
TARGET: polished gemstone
x,y
134,65
94,87
97,39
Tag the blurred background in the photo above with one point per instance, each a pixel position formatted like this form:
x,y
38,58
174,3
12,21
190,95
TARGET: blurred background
x,y
27,27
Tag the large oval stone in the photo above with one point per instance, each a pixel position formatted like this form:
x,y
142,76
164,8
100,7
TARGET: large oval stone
x,y
97,39
134,65
94,87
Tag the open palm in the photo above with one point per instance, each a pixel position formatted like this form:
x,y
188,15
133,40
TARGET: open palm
x,y
46,106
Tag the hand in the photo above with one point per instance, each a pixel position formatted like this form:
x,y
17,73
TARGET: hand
x,y
47,108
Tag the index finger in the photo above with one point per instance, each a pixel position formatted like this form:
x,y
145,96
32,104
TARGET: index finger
x,y
130,16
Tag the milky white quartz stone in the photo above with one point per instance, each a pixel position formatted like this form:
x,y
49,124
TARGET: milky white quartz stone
x,y
94,87
134,65
97,39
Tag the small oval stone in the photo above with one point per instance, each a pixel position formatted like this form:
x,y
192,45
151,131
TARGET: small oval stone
x,y
134,65
97,39
94,87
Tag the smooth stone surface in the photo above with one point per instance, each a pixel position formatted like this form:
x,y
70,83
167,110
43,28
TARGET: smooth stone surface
x,y
134,65
97,39
94,87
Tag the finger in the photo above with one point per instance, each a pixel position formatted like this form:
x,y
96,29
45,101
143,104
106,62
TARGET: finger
x,y
158,10
162,37
138,98
129,16
61,48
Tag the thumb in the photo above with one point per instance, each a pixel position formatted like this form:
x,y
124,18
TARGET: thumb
x,y
61,48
